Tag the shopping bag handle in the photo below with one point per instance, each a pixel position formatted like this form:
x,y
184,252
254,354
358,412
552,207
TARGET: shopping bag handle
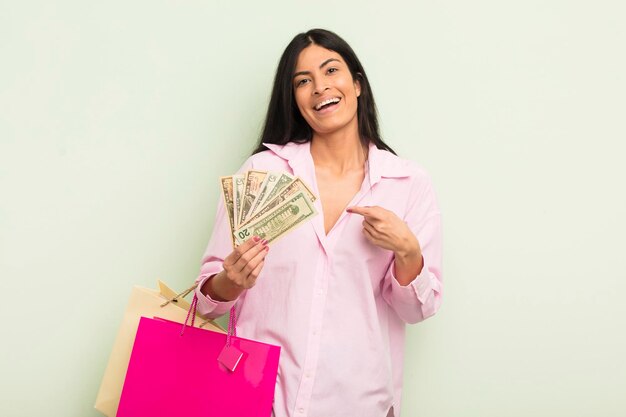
x,y
232,325
192,313
182,294
232,320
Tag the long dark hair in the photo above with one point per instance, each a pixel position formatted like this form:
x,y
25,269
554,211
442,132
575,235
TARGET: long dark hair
x,y
284,123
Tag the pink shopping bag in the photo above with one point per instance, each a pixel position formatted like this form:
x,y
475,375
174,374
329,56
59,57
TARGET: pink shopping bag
x,y
177,370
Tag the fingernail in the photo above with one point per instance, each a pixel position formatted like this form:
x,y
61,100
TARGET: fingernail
x,y
264,242
267,249
256,238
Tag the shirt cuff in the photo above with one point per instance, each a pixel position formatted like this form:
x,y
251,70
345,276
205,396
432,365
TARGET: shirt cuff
x,y
209,307
421,286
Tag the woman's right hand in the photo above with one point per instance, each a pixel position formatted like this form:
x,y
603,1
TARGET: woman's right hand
x,y
241,269
243,265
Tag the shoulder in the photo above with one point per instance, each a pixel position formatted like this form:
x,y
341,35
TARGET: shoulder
x,y
264,157
391,166
400,176
276,157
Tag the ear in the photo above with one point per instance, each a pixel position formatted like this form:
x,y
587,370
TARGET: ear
x,y
357,83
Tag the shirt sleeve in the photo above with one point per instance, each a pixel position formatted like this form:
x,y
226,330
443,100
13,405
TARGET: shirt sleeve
x,y
421,298
219,247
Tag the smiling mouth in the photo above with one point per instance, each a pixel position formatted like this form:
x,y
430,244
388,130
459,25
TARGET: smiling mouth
x,y
326,104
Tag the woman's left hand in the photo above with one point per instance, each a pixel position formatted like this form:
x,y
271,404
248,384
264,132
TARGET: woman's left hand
x,y
385,229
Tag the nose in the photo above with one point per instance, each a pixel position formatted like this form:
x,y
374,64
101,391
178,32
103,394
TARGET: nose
x,y
319,88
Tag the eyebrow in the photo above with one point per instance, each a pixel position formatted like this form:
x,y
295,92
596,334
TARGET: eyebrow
x,y
329,60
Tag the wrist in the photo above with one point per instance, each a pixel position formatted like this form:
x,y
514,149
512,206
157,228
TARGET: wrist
x,y
408,266
410,251
408,262
220,288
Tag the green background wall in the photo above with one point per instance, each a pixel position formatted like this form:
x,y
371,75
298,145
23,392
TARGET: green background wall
x,y
116,119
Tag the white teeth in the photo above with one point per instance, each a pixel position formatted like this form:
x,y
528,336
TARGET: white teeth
x,y
325,102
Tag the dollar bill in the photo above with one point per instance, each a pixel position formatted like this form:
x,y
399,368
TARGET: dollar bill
x,y
279,221
252,185
227,194
268,183
283,181
289,191
238,186
273,182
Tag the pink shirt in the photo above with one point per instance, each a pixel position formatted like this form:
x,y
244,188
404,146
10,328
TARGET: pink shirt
x,y
331,301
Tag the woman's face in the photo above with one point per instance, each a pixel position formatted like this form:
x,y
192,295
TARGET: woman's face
x,y
324,90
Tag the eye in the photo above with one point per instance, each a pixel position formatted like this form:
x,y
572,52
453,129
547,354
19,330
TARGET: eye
x,y
301,82
331,70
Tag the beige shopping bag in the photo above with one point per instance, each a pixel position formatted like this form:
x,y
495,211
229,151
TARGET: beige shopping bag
x,y
145,302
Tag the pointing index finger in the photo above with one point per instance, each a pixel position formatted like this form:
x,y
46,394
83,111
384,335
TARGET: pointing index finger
x,y
363,211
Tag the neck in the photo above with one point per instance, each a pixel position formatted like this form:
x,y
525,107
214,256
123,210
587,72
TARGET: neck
x,y
338,152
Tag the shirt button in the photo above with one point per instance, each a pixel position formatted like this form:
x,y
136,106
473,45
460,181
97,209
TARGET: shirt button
x,y
300,410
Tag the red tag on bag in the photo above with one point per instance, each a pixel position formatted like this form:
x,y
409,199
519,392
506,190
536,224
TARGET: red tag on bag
x,y
230,357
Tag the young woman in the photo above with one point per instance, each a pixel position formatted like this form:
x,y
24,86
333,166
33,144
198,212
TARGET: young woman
x,y
335,293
